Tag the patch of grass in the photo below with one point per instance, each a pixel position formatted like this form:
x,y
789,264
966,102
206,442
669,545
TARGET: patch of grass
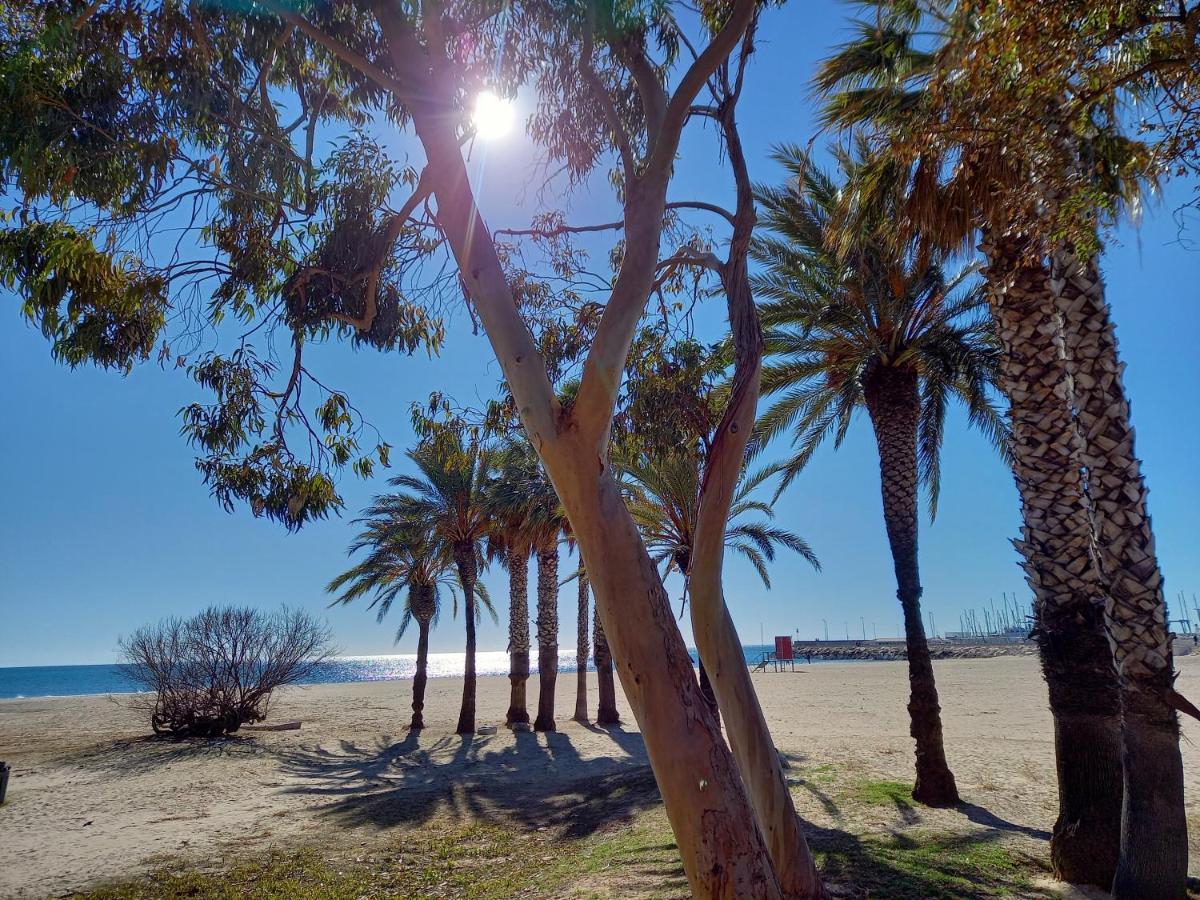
x,y
474,861
937,867
302,874
884,793
826,773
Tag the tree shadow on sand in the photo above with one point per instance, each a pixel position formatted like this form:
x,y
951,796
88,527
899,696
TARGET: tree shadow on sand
x,y
926,866
537,780
136,756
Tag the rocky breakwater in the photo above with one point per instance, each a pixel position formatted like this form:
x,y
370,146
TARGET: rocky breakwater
x,y
869,650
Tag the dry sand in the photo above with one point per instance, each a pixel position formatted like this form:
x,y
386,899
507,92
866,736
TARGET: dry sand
x,y
91,797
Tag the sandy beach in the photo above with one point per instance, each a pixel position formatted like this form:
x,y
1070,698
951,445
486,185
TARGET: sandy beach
x,y
92,798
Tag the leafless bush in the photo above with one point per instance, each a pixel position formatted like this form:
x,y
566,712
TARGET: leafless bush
x,y
215,672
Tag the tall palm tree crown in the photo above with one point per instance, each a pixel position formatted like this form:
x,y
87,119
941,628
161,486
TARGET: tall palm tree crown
x,y
398,560
402,556
446,502
842,308
523,494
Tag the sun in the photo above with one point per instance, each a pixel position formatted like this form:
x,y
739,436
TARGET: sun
x,y
493,117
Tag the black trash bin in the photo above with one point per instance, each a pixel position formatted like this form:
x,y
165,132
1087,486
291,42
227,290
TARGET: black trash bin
x,y
5,768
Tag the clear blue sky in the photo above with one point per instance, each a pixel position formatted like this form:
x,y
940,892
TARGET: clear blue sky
x,y
106,524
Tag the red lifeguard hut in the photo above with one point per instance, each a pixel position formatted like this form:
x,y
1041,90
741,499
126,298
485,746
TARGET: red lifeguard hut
x,y
782,655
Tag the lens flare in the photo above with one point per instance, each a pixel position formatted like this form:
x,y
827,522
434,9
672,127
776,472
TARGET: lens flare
x,y
494,116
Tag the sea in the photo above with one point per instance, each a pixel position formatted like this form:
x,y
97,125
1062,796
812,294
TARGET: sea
x,y
64,681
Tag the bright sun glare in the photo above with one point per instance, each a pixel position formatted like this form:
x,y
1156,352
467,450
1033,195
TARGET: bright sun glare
x,y
493,116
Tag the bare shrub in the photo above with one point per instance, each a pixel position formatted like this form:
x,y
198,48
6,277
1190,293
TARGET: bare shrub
x,y
215,672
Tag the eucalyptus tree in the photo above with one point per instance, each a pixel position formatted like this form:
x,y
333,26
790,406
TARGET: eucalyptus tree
x,y
1121,819
447,503
857,320
121,112
400,561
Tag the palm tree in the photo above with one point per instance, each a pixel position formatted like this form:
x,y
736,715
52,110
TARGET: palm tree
x,y
1087,545
400,560
665,503
582,643
523,493
606,707
447,502
862,320
512,541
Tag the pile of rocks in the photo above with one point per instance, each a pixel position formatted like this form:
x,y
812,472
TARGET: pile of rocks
x,y
897,651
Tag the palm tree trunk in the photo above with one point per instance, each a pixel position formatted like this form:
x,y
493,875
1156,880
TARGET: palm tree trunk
x,y
1059,560
894,405
518,636
547,630
1154,850
422,674
606,710
581,652
464,557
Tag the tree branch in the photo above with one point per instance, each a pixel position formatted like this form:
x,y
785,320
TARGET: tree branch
x,y
718,50
350,57
601,96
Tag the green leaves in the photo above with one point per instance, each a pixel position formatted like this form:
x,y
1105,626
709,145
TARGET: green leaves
x,y
94,306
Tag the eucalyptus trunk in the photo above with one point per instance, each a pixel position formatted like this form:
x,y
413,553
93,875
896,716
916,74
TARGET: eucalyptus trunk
x,y
1154,848
547,632
894,404
468,574
722,851
581,652
423,603
518,636
1059,558
606,708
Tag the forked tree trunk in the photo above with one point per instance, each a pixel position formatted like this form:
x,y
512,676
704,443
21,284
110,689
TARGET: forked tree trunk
x,y
423,609
894,405
606,708
722,851
518,636
1154,847
547,632
468,573
581,652
1058,556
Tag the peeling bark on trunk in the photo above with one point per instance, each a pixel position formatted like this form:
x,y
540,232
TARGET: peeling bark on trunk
x,y
464,557
1154,850
894,405
606,708
1058,553
518,636
547,633
581,652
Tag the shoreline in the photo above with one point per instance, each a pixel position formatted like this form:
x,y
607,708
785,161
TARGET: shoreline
x,y
818,659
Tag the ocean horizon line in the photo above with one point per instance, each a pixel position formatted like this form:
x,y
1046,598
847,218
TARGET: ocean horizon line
x,y
91,679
